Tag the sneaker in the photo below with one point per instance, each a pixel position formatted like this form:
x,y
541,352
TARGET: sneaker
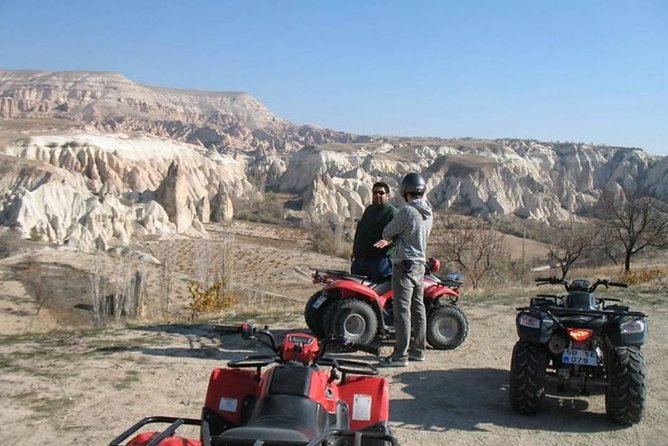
x,y
391,362
417,358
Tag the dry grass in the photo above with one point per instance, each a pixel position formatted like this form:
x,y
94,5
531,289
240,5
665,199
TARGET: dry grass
x,y
266,268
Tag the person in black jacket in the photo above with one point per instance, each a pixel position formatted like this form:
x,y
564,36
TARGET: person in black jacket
x,y
367,259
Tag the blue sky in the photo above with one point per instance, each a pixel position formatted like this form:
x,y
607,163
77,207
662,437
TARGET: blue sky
x,y
593,71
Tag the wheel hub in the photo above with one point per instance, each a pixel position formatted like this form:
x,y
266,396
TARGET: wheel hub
x,y
354,325
447,327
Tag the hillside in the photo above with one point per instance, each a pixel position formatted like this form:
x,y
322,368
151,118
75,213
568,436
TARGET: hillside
x,y
139,160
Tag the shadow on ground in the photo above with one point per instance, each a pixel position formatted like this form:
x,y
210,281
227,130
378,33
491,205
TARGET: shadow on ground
x,y
202,342
467,399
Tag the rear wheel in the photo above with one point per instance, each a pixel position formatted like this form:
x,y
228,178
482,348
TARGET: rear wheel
x,y
447,327
313,316
626,392
354,319
527,377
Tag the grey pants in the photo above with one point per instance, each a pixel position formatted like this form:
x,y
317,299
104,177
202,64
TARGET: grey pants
x,y
409,309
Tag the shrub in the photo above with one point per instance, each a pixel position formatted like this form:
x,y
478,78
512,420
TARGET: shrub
x,y
268,210
10,243
210,300
330,239
642,275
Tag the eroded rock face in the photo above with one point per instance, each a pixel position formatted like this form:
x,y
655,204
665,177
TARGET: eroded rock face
x,y
155,160
539,181
100,97
144,184
56,212
111,103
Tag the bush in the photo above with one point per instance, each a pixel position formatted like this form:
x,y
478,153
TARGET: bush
x,y
210,300
638,276
329,240
10,243
269,210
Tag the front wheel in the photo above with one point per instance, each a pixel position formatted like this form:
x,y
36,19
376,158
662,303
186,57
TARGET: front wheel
x,y
354,319
527,377
447,327
626,392
313,316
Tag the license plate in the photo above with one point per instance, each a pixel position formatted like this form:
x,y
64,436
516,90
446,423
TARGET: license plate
x,y
319,301
580,357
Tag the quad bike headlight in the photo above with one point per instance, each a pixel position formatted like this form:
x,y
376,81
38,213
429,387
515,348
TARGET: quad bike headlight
x,y
527,320
632,326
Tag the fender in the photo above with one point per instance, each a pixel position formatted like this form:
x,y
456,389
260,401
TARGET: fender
x,y
436,291
348,289
229,398
368,399
540,334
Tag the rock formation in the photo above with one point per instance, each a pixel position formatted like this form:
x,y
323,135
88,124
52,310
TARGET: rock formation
x,y
94,159
70,183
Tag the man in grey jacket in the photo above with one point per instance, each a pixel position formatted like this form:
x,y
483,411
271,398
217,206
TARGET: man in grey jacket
x,y
409,230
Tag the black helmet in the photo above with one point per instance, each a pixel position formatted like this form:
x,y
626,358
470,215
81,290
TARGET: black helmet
x,y
413,183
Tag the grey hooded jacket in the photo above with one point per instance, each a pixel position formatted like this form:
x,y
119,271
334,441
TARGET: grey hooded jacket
x,y
409,230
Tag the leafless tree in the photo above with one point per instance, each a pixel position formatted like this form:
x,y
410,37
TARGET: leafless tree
x,y
571,242
472,244
635,221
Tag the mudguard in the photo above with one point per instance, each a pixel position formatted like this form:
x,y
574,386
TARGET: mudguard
x,y
619,339
368,399
349,288
540,334
436,291
229,398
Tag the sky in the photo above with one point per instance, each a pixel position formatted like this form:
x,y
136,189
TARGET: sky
x,y
590,71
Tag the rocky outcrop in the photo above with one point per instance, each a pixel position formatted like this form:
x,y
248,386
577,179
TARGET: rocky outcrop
x,y
111,103
159,160
528,179
57,212
70,183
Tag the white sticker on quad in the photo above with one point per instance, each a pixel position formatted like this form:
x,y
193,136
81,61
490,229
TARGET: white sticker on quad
x,y
228,405
362,407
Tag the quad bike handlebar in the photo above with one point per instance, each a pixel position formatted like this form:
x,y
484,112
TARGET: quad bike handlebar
x,y
267,338
578,284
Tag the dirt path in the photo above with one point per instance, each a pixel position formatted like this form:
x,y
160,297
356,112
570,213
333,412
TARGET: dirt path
x,y
75,388
70,389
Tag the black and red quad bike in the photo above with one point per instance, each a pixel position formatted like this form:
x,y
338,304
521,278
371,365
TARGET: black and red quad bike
x,y
307,398
579,341
361,309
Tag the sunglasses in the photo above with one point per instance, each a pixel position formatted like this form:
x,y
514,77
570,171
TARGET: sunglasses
x,y
379,192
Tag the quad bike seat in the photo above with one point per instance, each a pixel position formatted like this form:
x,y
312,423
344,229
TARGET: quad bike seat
x,y
345,275
286,413
282,418
580,300
290,380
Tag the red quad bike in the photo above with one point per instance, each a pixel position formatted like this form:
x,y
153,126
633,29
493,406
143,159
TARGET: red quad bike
x,y
295,402
579,341
361,309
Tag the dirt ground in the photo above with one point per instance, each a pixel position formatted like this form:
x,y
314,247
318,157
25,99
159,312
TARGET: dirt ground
x,y
86,386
